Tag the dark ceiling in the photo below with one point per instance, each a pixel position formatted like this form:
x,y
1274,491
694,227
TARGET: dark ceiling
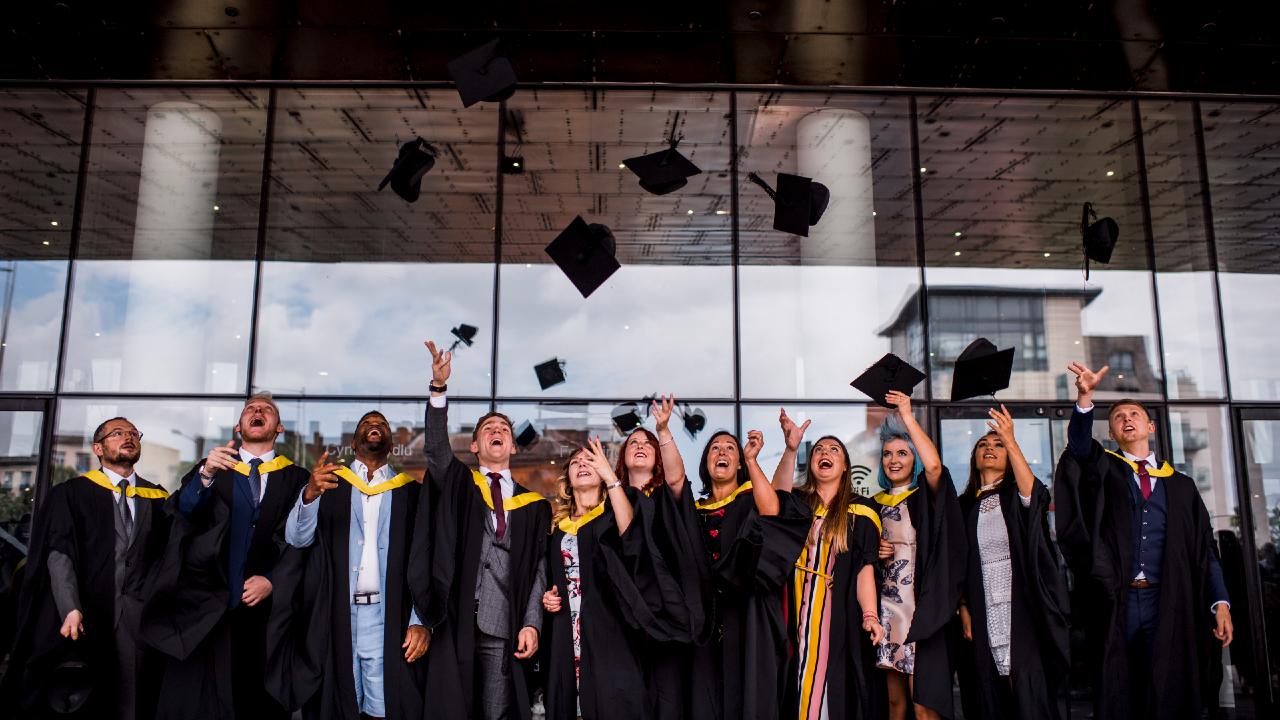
x,y
1213,47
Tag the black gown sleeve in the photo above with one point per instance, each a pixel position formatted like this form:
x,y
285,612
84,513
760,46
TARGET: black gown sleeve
x,y
762,555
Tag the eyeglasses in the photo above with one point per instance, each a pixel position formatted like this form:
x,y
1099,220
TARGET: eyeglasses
x,y
119,433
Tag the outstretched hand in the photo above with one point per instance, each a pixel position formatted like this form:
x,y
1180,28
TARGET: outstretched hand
x,y
755,443
661,409
224,457
902,401
324,477
440,364
599,460
792,433
1087,380
1001,423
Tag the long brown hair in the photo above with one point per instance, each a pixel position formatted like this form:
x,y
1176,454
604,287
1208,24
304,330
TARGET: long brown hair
x,y
563,504
659,475
835,527
975,477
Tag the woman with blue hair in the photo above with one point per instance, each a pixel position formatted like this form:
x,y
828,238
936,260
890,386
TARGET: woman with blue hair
x,y
923,553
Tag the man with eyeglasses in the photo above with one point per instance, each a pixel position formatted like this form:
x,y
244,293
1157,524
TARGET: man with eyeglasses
x,y
210,598
95,538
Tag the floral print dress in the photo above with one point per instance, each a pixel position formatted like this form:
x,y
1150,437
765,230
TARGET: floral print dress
x,y
573,578
898,596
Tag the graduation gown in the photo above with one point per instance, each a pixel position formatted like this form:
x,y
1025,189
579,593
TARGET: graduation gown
x,y
1093,514
672,528
941,558
739,671
78,520
443,576
188,591
620,582
855,689
1039,660
309,652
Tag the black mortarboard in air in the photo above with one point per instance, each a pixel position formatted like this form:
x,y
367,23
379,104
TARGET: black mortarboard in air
x,y
1099,237
526,435
585,253
888,373
416,159
694,421
465,335
798,203
626,418
550,373
483,74
981,370
666,170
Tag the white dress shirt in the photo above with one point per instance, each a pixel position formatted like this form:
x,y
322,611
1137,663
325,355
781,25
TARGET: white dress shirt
x,y
115,479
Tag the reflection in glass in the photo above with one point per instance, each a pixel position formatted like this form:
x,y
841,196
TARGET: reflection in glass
x,y
1262,468
177,434
358,328
811,307
19,462
563,428
1034,436
664,323
159,326
30,322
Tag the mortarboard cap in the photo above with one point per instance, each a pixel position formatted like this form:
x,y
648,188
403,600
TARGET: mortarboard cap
x,y
465,335
416,159
888,373
585,253
1099,237
550,373
797,204
694,421
663,171
483,74
981,370
626,418
526,435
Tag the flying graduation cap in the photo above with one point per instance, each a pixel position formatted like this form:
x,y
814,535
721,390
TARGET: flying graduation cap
x,y
1099,237
626,417
888,373
981,370
526,435
465,335
694,420
798,203
416,159
585,253
484,74
550,373
664,171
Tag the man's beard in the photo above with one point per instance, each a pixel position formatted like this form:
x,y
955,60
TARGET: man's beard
x,y
377,449
123,457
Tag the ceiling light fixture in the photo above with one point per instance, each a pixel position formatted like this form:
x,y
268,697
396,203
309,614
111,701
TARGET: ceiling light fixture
x,y
924,170
958,233
1110,173
53,223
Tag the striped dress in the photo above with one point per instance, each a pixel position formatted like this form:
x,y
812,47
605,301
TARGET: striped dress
x,y
812,586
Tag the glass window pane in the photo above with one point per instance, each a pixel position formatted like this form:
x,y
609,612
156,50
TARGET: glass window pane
x,y
1262,468
1003,183
20,441
1184,263
40,133
664,322
563,428
176,434
1241,150
355,279
818,310
161,295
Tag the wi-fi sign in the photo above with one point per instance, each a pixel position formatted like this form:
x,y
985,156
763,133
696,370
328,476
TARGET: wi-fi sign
x,y
862,479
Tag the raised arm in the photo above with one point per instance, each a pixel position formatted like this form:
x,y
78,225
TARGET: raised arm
x,y
439,453
924,445
761,491
672,463
622,511
1080,430
784,476
1001,424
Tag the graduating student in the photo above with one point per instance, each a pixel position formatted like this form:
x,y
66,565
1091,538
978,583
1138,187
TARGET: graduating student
x,y
95,538
357,524
1014,608
597,600
833,601
209,599
651,465
1138,539
923,553
485,571
752,535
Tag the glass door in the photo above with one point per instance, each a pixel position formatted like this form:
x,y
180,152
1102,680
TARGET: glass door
x,y
1259,430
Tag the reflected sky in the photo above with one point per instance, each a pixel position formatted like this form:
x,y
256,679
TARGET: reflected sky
x,y
1249,310
33,292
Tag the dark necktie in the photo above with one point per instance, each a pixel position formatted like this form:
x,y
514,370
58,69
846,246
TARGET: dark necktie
x,y
495,492
255,481
122,508
1144,480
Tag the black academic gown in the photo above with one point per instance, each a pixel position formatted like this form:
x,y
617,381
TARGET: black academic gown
x,y
622,587
443,576
1039,662
739,672
671,526
78,520
941,558
1093,514
185,613
855,689
309,653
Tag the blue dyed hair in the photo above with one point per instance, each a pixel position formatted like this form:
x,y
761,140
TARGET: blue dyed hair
x,y
892,429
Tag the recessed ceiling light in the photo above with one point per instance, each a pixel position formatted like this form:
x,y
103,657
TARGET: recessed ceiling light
x,y
958,233
1110,173
722,212
216,208
622,166
924,170
1047,254
46,242
957,253
873,213
688,212
53,223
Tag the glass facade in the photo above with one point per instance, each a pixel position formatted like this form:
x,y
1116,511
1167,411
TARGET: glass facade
x,y
165,250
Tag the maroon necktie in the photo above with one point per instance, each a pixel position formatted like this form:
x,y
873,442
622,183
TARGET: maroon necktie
x,y
495,492
1144,480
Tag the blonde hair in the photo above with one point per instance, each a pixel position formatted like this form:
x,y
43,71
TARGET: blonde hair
x,y
563,505
263,396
